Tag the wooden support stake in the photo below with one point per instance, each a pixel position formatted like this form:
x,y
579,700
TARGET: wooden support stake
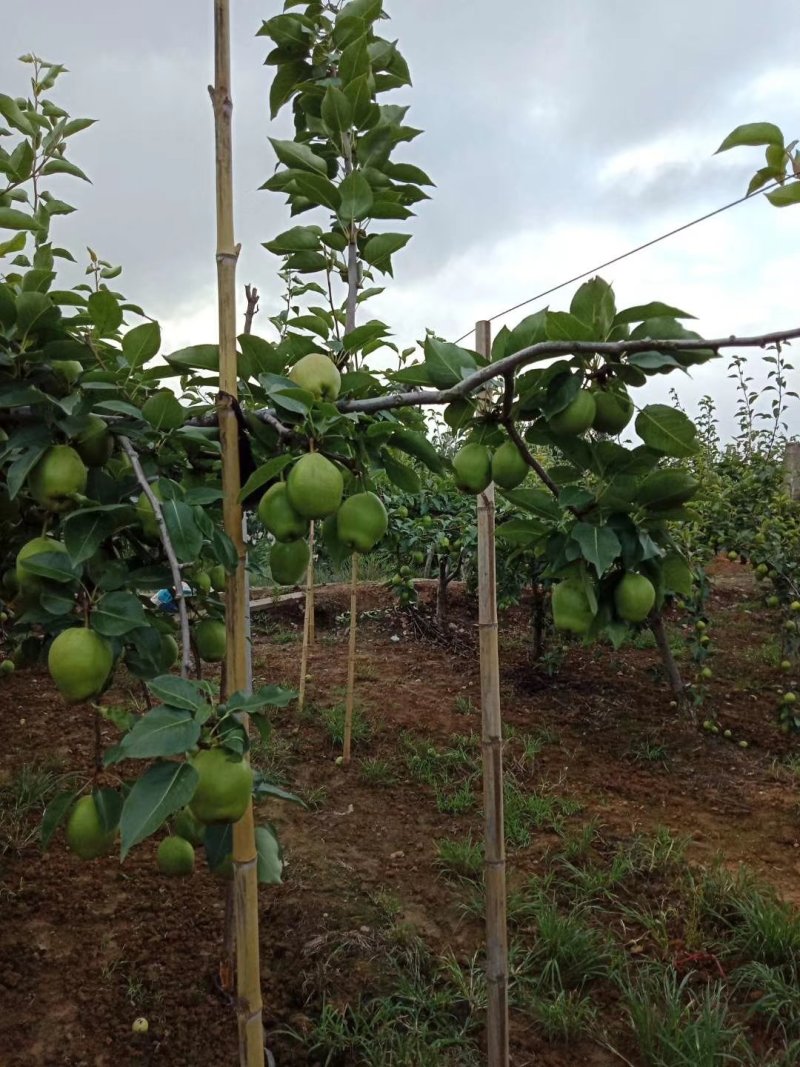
x,y
351,662
312,627
308,619
492,750
245,886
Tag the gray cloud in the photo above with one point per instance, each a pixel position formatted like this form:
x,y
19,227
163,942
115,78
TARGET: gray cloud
x,y
522,105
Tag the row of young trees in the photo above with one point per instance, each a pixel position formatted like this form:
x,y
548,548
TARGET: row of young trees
x,y
116,485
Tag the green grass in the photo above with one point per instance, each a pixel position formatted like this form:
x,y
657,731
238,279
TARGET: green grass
x,y
773,995
378,772
676,1022
460,858
567,953
527,812
22,801
464,705
751,921
428,1014
333,721
646,751
562,1017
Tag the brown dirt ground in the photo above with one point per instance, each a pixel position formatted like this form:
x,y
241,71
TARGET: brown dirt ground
x,y
85,948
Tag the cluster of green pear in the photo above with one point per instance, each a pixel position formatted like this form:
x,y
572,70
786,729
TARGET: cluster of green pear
x,y
634,598
314,489
223,791
475,466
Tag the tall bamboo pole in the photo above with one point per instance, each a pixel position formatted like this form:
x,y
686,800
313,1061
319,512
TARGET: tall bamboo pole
x,y
248,974
351,662
492,750
311,587
308,620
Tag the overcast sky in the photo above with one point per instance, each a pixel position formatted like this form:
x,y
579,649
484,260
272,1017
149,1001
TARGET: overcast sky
x,y
558,135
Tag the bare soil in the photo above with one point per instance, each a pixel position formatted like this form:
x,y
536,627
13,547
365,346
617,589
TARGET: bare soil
x,y
87,947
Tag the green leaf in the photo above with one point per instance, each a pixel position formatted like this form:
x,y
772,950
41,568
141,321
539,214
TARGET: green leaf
x,y
356,197
295,155
178,692
534,501
269,862
54,815
104,311
320,191
263,474
447,364
676,574
561,326
359,93
186,538
653,361
108,803
87,529
785,195
35,311
54,566
258,356
297,239
141,343
21,468
417,445
162,790
752,134
593,304
368,10
407,172
530,331
354,62
63,166
161,732
362,335
287,77
520,531
196,357
403,477
13,114
116,614
653,310
337,112
379,249
10,219
667,430
599,545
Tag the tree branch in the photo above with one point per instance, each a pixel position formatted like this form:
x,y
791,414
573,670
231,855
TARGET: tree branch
x,y
174,566
545,349
529,458
251,309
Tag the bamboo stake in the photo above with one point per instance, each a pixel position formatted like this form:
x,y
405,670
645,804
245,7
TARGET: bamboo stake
x,y
172,559
308,619
492,750
310,584
248,974
351,663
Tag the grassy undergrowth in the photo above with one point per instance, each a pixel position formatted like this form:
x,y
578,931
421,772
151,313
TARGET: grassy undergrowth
x,y
617,942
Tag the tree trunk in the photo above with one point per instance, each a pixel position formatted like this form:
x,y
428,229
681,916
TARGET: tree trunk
x,y
670,666
441,594
538,621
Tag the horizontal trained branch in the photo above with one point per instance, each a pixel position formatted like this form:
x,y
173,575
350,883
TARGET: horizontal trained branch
x,y
509,364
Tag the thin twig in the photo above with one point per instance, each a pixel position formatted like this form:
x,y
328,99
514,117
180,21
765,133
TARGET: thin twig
x,y
169,551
